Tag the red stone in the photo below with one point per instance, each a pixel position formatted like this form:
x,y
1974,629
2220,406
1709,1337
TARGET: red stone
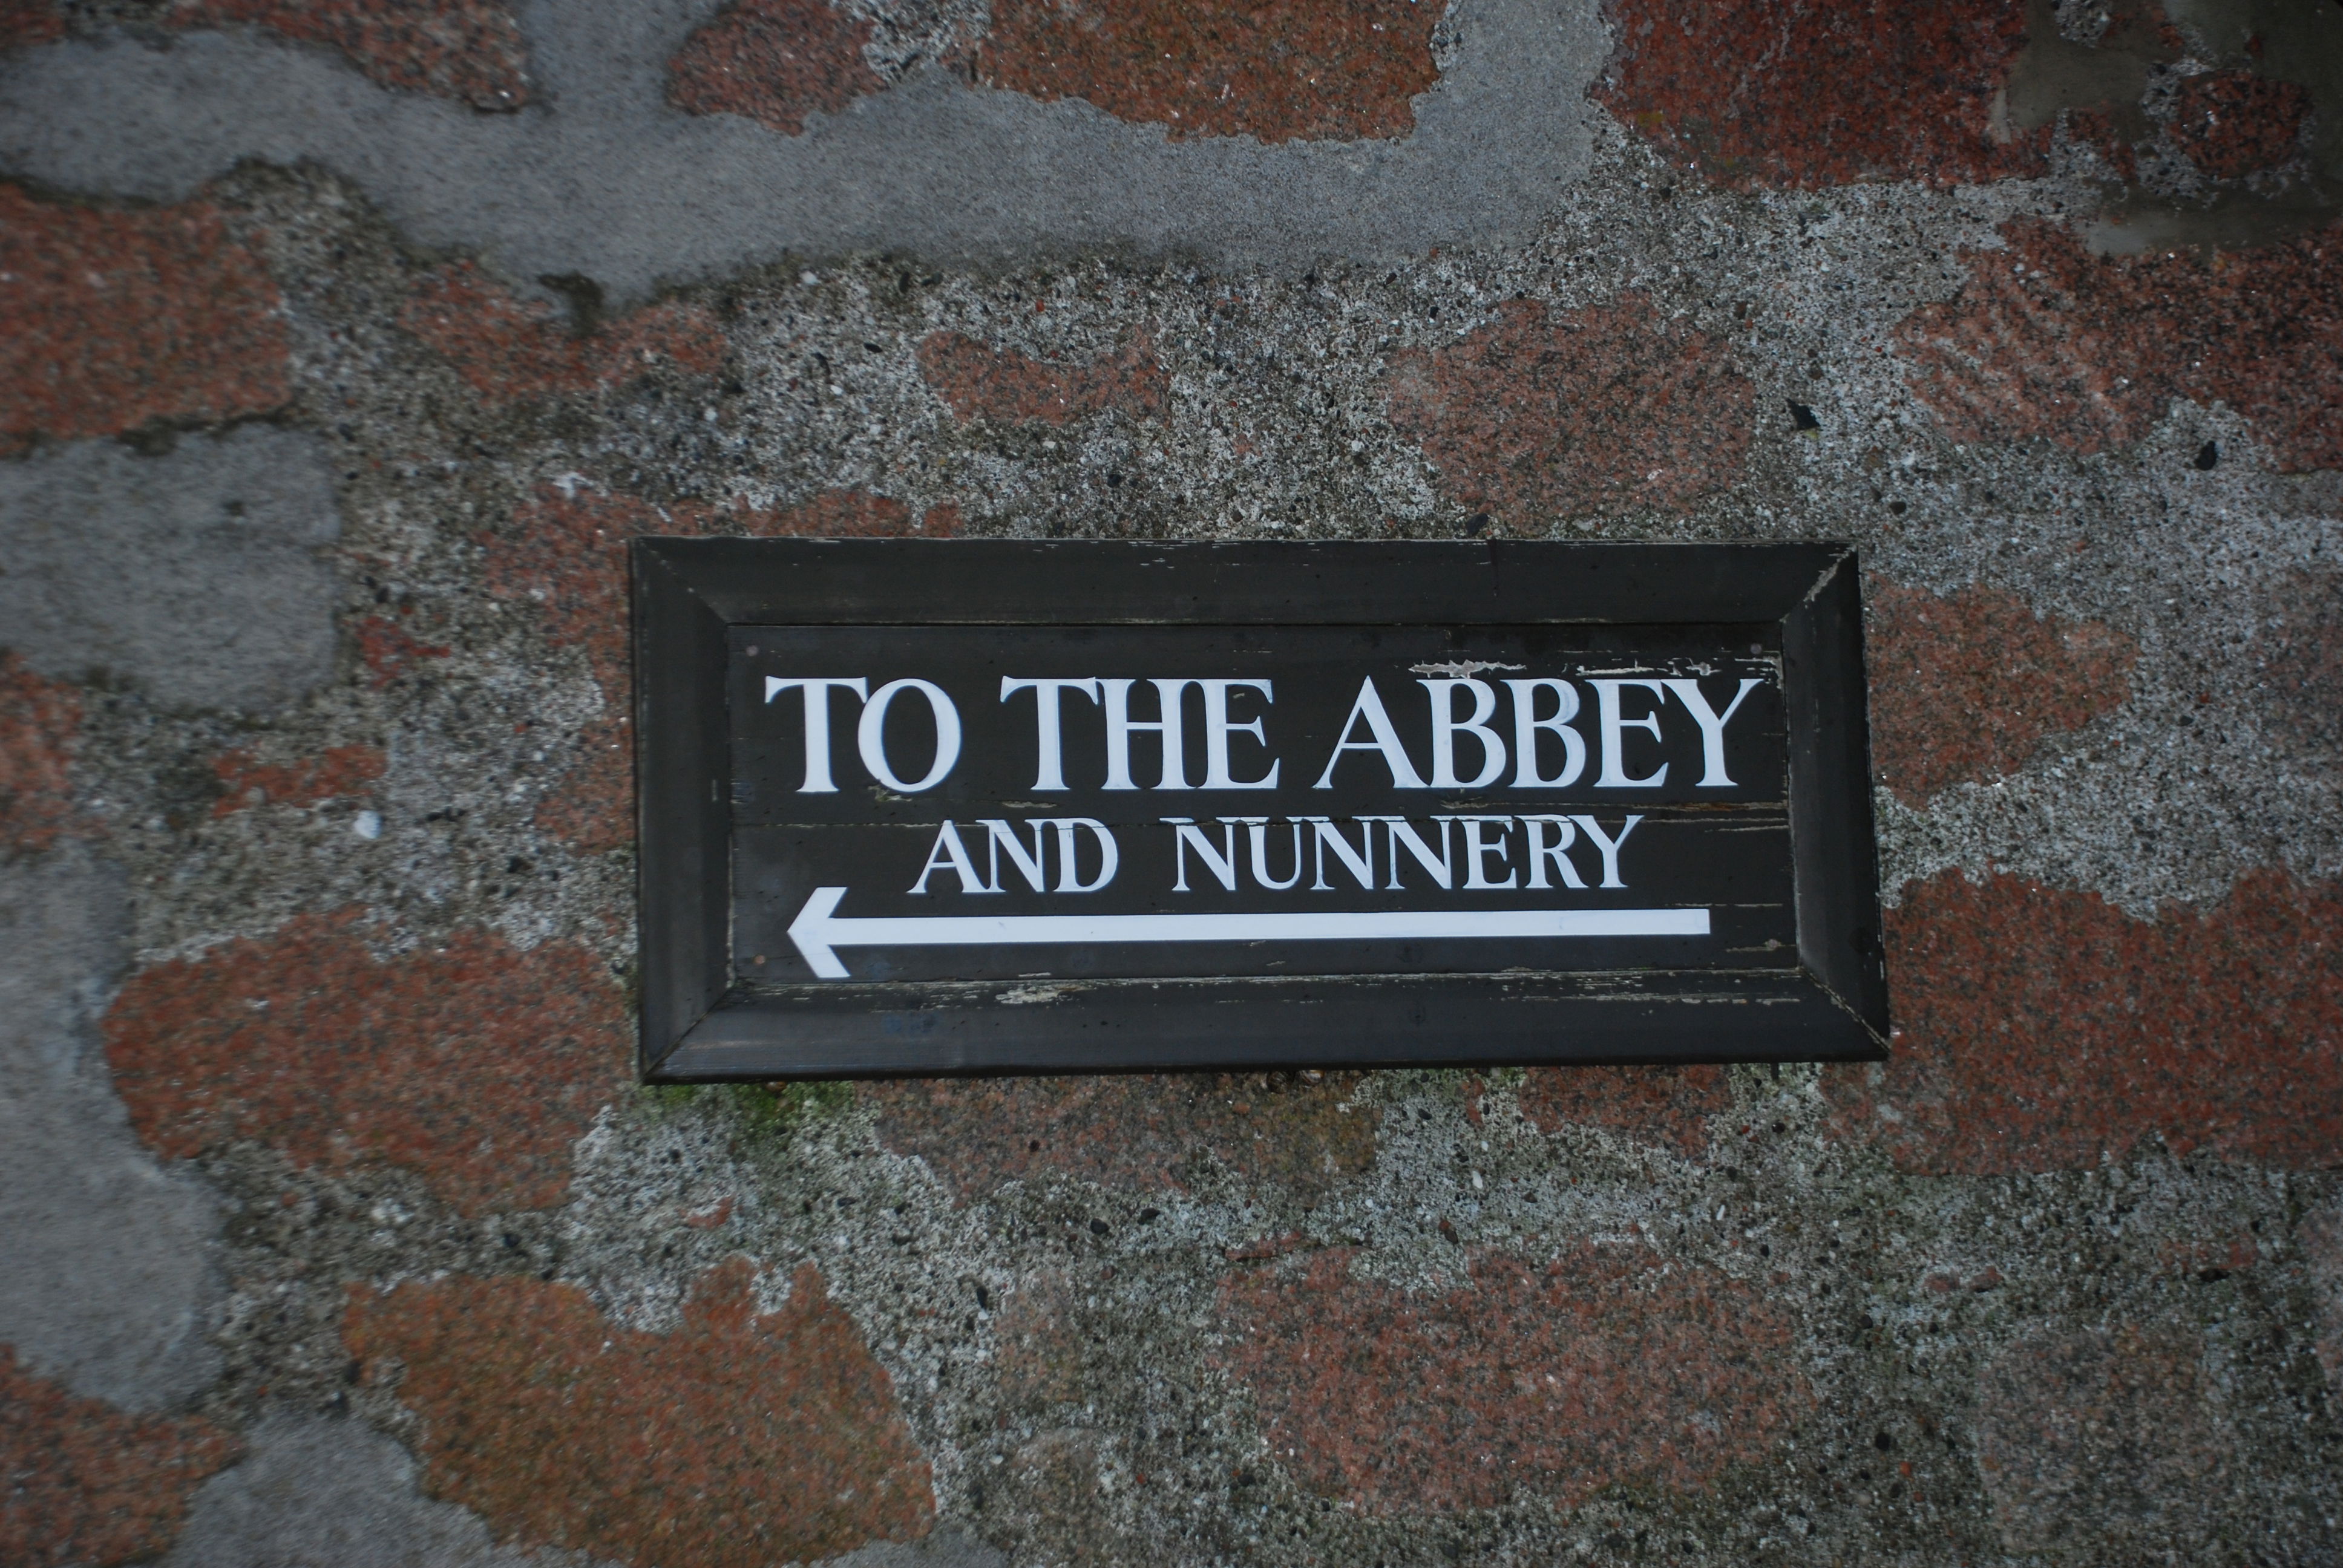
x,y
1604,409
389,650
774,62
1657,1105
338,772
1006,388
82,1482
2047,341
943,522
469,50
25,23
1806,93
1964,687
2042,1030
1607,1367
1276,70
594,805
475,1065
40,730
2099,130
110,320
511,350
739,1439
2231,123
1126,1132
567,554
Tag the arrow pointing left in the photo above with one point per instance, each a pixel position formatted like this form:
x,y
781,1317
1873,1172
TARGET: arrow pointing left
x,y
818,930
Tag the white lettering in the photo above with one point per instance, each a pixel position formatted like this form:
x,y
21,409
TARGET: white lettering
x,y
1369,704
1109,853
1217,730
999,835
1474,850
1445,729
1609,847
1526,725
870,736
1049,772
1221,863
1615,772
1540,851
1257,838
1398,830
1120,728
955,860
817,722
1712,727
1324,832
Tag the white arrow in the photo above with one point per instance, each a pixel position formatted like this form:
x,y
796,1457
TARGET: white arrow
x,y
817,931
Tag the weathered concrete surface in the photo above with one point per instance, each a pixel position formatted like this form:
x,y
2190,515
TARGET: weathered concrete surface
x,y
313,1490
112,1274
194,576
619,186
2034,304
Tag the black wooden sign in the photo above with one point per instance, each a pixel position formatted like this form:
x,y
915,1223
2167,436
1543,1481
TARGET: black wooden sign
x,y
924,807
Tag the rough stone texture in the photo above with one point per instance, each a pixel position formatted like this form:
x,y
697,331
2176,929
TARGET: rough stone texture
x,y
247,782
1605,409
2100,1440
2041,1030
1305,339
2230,123
1966,686
2322,1244
194,576
1275,70
471,1064
507,349
40,728
774,62
567,553
110,320
1595,1369
389,650
1136,1131
89,1484
2300,657
111,1278
1011,388
742,1438
468,50
2047,341
1665,1106
1794,93
311,1492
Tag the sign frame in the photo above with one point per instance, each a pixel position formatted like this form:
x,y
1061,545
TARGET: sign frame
x,y
699,1023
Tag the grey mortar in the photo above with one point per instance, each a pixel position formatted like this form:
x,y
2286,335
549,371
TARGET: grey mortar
x,y
1290,360
111,1275
604,179
1772,1201
313,1490
194,576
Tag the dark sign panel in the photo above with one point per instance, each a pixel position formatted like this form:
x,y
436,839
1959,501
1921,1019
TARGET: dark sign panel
x,y
928,806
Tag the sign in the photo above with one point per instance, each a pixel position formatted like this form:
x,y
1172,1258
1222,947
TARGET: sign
x,y
919,807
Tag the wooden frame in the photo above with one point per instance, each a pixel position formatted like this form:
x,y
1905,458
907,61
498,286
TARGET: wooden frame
x,y
699,1023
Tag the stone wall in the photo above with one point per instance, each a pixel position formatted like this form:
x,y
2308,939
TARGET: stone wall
x,y
342,346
